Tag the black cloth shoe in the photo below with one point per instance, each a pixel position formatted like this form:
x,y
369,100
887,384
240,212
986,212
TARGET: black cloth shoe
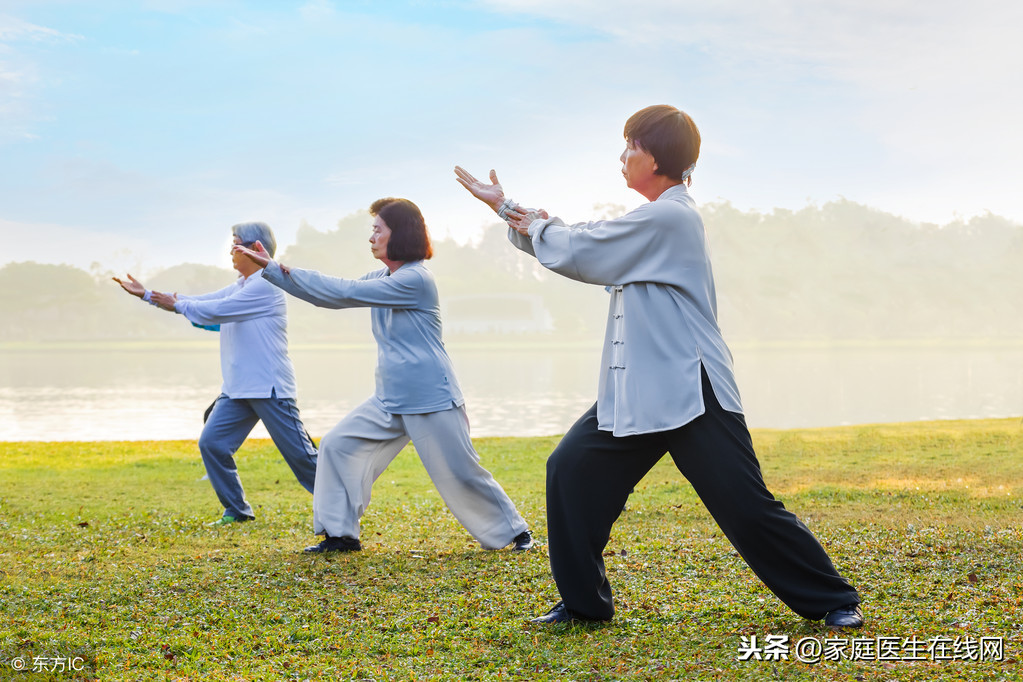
x,y
848,616
331,544
560,614
523,541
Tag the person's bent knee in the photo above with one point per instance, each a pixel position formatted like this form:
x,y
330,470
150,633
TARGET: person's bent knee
x,y
209,446
334,446
330,443
563,461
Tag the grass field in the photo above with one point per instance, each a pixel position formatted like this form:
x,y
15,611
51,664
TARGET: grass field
x,y
106,562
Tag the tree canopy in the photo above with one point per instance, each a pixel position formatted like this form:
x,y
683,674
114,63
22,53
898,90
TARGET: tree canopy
x,y
838,271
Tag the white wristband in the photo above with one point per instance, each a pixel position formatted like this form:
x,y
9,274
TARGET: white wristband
x,y
506,206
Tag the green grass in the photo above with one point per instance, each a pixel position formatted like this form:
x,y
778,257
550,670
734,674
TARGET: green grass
x,y
105,556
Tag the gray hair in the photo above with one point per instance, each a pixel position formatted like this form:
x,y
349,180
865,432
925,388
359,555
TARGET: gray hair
x,y
248,233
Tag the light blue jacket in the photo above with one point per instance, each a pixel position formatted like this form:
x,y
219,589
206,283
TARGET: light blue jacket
x,y
414,374
662,322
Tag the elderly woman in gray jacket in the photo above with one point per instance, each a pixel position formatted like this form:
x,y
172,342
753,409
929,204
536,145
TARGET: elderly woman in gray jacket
x,y
666,385
417,396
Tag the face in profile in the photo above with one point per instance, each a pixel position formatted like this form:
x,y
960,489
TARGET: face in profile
x,y
379,238
638,166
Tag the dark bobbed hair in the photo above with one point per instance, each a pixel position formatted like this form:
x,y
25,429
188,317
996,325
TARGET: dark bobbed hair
x,y
410,240
669,135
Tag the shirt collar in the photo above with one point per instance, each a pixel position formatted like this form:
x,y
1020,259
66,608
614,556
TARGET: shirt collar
x,y
243,279
680,188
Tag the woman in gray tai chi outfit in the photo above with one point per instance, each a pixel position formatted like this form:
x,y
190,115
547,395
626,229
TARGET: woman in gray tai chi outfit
x,y
666,385
417,396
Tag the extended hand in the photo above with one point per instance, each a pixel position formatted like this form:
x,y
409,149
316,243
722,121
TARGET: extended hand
x,y
133,286
257,254
492,195
522,218
165,301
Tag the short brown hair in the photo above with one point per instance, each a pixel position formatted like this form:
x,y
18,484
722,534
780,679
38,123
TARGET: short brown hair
x,y
410,240
669,135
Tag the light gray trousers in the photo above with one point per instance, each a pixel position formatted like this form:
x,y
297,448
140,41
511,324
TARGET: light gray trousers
x,y
358,450
229,425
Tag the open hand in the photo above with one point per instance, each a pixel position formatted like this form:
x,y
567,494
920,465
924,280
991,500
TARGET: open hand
x,y
132,286
521,218
490,194
257,254
165,301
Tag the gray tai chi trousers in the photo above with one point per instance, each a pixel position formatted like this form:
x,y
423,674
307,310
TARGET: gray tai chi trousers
x,y
229,424
590,475
358,450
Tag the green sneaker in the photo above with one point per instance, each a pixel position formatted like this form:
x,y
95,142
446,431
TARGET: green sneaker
x,y
226,520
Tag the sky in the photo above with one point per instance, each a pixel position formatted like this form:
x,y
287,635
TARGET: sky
x,y
134,134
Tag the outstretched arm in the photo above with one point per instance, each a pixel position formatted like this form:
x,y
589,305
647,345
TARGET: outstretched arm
x,y
136,288
402,289
493,196
332,292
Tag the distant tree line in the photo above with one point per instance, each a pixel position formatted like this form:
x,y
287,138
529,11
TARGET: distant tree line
x,y
846,271
840,271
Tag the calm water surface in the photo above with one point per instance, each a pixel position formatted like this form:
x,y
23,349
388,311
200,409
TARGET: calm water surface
x,y
152,394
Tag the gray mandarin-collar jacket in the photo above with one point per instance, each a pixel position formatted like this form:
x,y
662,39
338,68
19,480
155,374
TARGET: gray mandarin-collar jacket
x,y
662,321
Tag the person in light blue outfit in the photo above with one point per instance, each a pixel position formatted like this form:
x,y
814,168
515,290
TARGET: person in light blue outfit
x,y
417,396
259,380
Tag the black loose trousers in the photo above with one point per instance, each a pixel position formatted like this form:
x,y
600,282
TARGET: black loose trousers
x,y
590,475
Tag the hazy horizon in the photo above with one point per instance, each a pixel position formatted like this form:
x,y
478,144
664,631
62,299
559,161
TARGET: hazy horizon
x,y
833,315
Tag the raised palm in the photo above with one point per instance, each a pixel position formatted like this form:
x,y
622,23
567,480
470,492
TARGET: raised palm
x,y
257,254
491,194
132,286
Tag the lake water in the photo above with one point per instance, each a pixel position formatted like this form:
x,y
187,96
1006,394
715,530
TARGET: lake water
x,y
150,394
